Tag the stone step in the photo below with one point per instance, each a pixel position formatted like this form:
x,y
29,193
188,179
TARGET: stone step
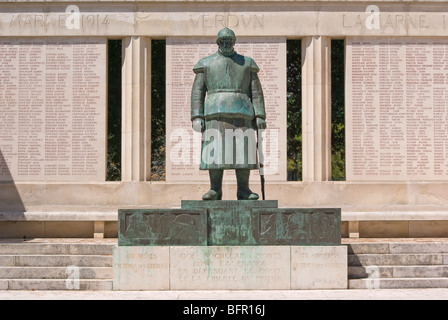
x,y
54,272
398,283
398,248
56,248
397,259
368,248
55,260
34,284
398,272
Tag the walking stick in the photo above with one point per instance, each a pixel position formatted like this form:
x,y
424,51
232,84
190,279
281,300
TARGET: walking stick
x,y
262,181
261,156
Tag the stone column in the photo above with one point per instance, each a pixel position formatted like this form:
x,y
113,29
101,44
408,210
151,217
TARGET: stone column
x,y
316,108
136,109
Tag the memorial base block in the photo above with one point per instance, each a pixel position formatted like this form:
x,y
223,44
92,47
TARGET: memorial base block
x,y
230,267
229,223
230,245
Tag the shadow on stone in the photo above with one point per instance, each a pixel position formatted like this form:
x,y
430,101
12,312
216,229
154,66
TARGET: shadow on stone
x,y
10,199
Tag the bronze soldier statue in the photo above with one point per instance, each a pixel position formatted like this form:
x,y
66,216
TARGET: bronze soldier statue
x,y
227,104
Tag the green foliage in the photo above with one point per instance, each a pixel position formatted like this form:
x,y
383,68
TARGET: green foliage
x,y
337,110
294,113
158,110
114,112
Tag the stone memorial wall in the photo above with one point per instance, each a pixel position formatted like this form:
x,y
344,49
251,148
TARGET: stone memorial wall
x,y
397,109
183,145
395,105
53,109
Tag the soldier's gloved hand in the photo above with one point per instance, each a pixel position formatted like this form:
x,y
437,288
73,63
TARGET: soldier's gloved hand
x,y
198,125
261,124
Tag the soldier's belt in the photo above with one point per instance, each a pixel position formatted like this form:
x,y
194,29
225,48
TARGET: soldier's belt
x,y
226,90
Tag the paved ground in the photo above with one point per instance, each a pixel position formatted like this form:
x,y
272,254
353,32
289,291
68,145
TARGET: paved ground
x,y
402,294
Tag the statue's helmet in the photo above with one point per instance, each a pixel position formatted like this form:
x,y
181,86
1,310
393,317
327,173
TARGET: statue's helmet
x,y
226,33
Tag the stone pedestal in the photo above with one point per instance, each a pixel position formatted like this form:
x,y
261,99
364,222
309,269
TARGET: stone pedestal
x,y
230,267
141,268
230,245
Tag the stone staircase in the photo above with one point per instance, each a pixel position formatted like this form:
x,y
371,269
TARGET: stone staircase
x,y
46,265
398,265
55,266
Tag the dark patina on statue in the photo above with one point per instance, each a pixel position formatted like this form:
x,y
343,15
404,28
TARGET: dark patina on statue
x,y
227,106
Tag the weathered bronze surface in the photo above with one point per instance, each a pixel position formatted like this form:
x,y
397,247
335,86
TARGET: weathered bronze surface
x,y
222,223
227,96
230,222
297,226
158,227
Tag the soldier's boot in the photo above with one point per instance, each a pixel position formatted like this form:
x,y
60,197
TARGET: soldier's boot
x,y
215,192
244,193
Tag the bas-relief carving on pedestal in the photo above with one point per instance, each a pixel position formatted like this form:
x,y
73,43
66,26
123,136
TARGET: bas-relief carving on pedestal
x,y
230,223
297,226
162,227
